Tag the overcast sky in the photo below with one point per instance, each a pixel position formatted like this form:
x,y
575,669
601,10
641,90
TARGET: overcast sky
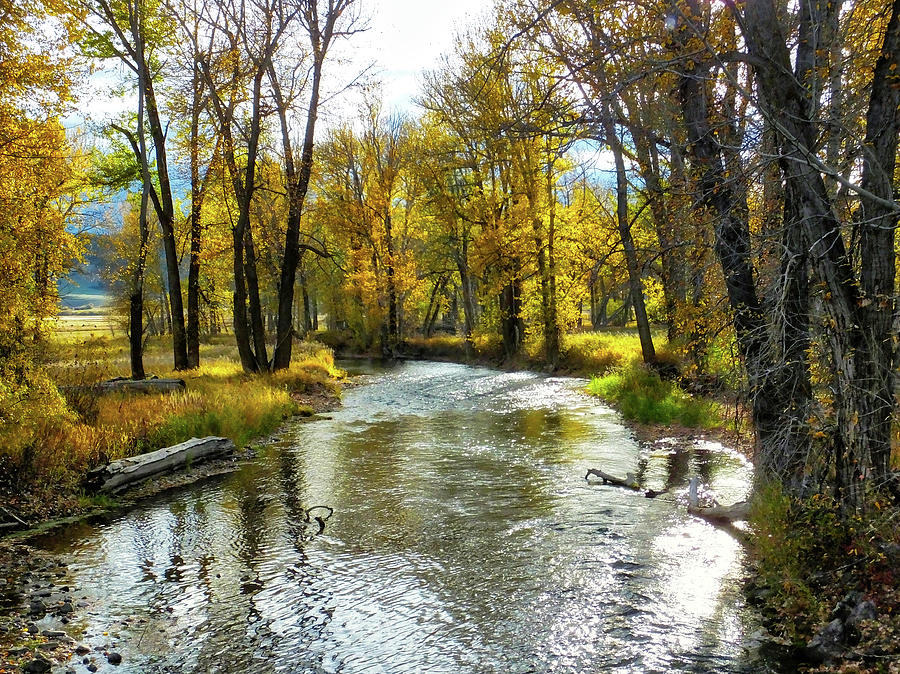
x,y
406,37
403,39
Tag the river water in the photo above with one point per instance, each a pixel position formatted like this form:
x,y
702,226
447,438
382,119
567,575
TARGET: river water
x,y
464,538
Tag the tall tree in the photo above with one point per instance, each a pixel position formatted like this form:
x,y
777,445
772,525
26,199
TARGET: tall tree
x,y
135,32
859,303
322,24
39,192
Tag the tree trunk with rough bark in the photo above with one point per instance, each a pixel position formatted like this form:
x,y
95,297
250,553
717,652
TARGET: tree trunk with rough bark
x,y
858,308
635,284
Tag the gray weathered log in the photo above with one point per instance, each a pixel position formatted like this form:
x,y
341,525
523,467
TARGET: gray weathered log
x,y
141,385
717,513
629,481
125,473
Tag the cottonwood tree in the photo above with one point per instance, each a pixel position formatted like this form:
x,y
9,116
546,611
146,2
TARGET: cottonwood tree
x,y
136,32
496,107
323,23
370,201
859,301
242,60
40,193
118,169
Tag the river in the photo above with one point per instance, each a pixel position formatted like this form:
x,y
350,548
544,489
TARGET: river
x,y
464,538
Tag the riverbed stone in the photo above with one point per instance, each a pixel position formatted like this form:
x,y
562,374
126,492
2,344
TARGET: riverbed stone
x,y
37,666
827,644
81,649
114,658
864,610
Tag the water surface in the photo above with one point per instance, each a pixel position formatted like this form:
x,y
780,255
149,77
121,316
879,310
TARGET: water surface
x,y
464,539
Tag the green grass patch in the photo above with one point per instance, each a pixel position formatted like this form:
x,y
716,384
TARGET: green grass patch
x,y
88,501
641,395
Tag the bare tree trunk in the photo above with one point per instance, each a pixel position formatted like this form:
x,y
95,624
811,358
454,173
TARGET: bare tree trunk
x,y
197,192
770,385
393,328
469,309
165,211
320,36
512,328
547,274
877,234
136,299
257,326
673,280
858,310
634,275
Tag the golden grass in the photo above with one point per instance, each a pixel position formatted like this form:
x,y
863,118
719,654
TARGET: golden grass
x,y
62,435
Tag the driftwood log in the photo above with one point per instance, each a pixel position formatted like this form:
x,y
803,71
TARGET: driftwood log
x,y
716,513
125,473
122,385
629,481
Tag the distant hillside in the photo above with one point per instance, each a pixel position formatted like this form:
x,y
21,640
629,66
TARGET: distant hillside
x,y
83,290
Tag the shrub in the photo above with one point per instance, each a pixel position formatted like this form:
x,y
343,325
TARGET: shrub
x,y
641,395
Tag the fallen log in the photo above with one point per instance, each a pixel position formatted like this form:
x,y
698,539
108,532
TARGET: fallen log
x,y
629,481
125,473
716,513
141,385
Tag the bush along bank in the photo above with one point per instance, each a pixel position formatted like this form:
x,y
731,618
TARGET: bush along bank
x,y
828,581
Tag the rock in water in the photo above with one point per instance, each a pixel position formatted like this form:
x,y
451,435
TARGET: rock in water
x,y
114,659
37,666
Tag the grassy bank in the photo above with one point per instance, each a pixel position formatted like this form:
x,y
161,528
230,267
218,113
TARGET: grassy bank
x,y
584,354
642,395
612,361
67,427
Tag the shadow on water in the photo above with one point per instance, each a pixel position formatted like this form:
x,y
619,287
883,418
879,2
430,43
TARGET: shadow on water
x,y
464,539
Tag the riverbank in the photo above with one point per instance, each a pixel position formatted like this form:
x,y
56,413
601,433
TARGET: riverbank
x,y
70,426
809,572
38,602
479,491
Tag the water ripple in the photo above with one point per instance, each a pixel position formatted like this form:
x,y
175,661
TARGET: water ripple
x,y
464,539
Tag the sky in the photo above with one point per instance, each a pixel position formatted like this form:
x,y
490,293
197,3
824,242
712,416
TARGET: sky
x,y
407,37
403,39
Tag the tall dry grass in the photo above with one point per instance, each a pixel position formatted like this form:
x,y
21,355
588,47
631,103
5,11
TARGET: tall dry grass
x,y
70,428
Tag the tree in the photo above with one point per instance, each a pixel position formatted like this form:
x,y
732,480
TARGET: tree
x,y
135,32
860,298
42,190
321,22
118,169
